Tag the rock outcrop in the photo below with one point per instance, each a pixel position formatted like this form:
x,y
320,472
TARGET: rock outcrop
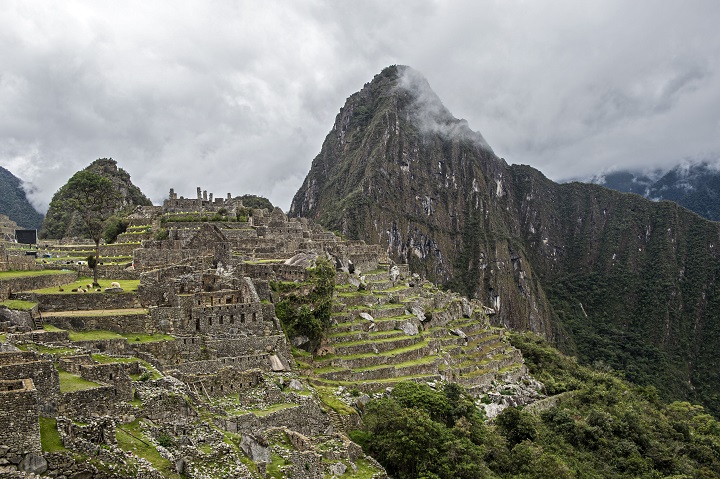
x,y
610,276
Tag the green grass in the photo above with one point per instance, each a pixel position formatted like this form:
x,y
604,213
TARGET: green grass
x,y
72,382
105,359
274,469
414,362
24,274
49,436
50,327
390,353
96,313
328,398
131,438
3,337
93,335
99,334
18,304
365,470
129,285
146,338
60,351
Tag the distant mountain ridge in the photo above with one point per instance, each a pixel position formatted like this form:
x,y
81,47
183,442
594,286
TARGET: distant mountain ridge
x,y
617,279
14,202
693,185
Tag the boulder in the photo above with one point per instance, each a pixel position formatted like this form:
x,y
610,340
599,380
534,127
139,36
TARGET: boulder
x,y
367,317
299,341
296,385
337,468
458,332
394,273
276,364
255,448
408,328
419,313
362,401
306,260
34,463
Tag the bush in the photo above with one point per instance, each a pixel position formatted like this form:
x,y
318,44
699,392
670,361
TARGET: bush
x,y
114,227
165,440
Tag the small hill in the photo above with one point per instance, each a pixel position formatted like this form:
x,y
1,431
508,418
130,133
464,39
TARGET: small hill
x,y
60,222
14,202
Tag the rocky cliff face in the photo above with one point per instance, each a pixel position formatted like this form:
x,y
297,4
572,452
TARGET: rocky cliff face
x,y
618,279
59,222
14,202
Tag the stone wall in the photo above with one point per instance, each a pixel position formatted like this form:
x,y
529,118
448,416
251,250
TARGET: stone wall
x,y
9,286
234,347
40,336
307,419
255,361
82,301
15,366
147,258
118,323
274,272
165,353
225,381
119,346
18,262
96,401
19,424
113,374
230,319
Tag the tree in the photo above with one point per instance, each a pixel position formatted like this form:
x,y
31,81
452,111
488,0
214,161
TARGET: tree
x,y
95,198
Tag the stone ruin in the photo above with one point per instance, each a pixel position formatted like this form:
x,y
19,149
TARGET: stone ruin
x,y
207,287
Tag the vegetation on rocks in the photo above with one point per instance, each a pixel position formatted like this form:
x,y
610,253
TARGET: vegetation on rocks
x,y
598,426
62,220
309,315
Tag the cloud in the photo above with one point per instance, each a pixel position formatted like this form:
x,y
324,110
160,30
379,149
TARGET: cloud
x,y
238,96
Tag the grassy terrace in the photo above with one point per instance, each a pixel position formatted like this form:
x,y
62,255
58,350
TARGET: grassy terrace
x,y
129,285
133,337
25,274
95,313
390,353
351,384
131,438
375,341
49,436
72,382
55,350
405,364
265,261
18,304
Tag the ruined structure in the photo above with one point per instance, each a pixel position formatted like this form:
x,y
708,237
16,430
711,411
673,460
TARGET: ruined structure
x,y
194,361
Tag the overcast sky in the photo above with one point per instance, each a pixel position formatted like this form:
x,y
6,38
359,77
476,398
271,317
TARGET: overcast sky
x,y
237,96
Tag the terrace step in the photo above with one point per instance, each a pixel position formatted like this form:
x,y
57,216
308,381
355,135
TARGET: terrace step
x,y
399,355
372,386
388,371
379,346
